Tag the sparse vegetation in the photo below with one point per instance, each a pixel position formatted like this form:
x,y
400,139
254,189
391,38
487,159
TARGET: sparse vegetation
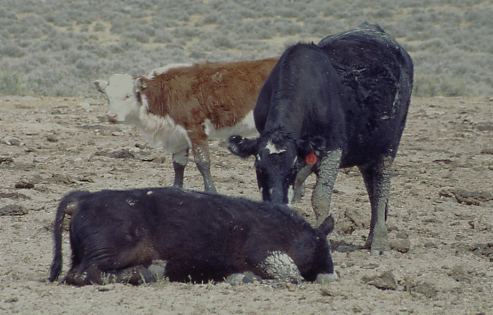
x,y
58,47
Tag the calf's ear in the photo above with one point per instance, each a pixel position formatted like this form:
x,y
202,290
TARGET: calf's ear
x,y
242,147
101,85
327,225
140,85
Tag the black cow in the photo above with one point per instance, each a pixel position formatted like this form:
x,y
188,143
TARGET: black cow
x,y
337,104
117,235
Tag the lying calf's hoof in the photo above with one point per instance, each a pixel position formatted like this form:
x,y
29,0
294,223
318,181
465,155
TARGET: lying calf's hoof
x,y
241,278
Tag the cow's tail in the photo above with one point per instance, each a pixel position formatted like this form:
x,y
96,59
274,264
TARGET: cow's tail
x,y
327,225
68,205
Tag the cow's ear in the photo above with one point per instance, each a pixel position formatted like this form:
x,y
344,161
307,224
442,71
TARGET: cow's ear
x,y
242,147
316,145
140,84
101,85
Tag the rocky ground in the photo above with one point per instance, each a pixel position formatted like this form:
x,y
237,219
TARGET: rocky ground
x,y
440,220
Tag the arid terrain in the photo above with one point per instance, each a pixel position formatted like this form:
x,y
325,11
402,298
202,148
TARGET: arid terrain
x,y
440,220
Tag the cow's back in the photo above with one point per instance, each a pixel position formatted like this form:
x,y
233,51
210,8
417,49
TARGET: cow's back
x,y
221,92
378,76
303,94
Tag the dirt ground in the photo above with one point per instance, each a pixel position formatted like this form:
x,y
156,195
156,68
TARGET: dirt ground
x,y
440,220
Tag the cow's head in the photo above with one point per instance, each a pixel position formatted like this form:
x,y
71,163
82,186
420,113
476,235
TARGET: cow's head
x,y
123,105
278,157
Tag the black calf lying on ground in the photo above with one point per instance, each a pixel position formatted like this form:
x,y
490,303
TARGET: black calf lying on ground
x,y
116,235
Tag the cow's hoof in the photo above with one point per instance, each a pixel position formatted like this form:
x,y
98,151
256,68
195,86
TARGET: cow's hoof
x,y
324,278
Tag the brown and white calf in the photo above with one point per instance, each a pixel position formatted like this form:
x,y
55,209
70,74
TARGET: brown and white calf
x,y
179,107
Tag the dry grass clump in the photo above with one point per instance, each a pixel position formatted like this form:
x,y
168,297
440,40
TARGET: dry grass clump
x,y
58,47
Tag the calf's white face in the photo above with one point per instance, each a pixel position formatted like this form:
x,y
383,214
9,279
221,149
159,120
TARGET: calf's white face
x,y
119,90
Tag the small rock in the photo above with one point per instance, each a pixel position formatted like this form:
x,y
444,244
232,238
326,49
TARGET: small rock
x,y
384,281
106,288
51,138
459,274
24,184
13,210
6,160
401,245
11,141
355,217
327,292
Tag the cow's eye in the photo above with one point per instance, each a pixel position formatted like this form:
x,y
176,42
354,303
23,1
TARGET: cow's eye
x,y
127,97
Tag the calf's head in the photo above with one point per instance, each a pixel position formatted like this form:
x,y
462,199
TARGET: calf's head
x,y
278,158
122,101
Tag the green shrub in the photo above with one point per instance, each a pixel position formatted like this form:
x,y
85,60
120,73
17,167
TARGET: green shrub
x,y
11,84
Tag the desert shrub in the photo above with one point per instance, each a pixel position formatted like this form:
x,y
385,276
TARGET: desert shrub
x,y
163,37
429,85
148,30
449,40
139,36
11,84
208,20
285,26
11,50
99,27
222,42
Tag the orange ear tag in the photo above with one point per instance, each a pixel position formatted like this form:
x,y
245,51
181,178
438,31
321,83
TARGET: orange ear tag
x,y
311,158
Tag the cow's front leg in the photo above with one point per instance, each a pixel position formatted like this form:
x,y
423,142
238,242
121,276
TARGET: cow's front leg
x,y
180,160
299,183
202,159
326,171
377,180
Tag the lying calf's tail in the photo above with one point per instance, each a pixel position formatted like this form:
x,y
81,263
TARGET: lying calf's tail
x,y
68,205
327,225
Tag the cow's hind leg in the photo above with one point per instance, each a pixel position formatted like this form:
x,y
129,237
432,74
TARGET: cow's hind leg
x,y
377,180
92,275
180,160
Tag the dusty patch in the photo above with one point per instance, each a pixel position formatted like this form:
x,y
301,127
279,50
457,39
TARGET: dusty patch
x,y
439,219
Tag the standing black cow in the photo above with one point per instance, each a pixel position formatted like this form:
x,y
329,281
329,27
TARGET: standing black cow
x,y
116,235
337,104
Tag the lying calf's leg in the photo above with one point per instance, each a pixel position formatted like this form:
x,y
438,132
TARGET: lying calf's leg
x,y
93,275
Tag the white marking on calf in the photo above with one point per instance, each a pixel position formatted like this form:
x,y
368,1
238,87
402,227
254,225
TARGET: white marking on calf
x,y
273,149
122,103
278,265
163,131
164,69
244,127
